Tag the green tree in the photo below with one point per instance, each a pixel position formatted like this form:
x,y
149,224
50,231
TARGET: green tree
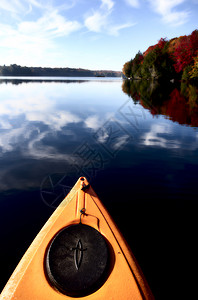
x,y
150,64
136,65
157,64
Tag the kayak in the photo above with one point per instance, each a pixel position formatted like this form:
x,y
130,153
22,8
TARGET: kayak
x,y
79,253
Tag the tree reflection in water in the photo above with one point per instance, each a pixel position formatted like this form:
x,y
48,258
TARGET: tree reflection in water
x,y
177,102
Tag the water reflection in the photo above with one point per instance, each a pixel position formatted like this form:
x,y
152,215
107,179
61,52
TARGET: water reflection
x,y
147,163
177,103
41,126
159,135
26,79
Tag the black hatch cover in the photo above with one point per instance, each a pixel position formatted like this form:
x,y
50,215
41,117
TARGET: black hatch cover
x,y
77,260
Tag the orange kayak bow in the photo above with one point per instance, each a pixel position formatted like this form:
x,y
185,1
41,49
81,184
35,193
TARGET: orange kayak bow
x,y
79,253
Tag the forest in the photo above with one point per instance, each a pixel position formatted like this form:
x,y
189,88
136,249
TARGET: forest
x,y
168,59
16,70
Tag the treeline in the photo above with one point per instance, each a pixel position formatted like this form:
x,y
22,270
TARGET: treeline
x,y
16,70
172,59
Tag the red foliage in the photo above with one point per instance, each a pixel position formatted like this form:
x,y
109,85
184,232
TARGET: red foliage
x,y
161,43
141,58
194,40
185,51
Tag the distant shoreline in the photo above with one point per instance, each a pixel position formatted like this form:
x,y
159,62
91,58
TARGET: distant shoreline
x,y
18,71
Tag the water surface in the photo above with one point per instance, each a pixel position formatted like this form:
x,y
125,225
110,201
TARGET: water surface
x,y
138,150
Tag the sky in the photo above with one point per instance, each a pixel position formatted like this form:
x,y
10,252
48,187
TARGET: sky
x,y
89,34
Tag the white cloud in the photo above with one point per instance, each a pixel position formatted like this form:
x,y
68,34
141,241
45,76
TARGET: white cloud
x,y
93,122
165,6
96,22
114,30
35,3
52,24
5,124
107,4
33,40
167,9
133,3
19,7
176,18
101,21
13,6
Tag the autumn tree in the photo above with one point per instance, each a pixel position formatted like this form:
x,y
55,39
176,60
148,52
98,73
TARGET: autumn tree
x,y
127,69
176,58
185,51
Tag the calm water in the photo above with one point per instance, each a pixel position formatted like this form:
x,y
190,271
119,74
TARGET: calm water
x,y
141,158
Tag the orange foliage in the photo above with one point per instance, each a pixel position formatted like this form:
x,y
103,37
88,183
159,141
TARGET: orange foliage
x,y
149,50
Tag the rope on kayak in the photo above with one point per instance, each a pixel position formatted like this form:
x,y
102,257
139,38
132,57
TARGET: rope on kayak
x,y
85,187
82,211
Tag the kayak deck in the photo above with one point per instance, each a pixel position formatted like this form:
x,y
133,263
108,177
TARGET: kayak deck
x,y
78,253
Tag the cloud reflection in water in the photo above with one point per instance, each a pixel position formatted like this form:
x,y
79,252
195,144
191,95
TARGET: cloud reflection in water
x,y
159,135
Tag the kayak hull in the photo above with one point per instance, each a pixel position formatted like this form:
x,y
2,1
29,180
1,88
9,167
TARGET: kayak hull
x,y
123,280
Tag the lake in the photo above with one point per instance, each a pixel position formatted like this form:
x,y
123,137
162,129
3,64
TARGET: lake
x,y
137,143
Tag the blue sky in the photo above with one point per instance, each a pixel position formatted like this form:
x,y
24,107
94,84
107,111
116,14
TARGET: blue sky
x,y
90,34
